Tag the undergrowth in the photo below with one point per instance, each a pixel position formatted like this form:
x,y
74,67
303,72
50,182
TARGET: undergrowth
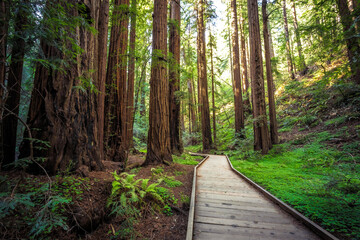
x,y
35,208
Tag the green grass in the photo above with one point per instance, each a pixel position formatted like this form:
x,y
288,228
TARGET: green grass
x,y
320,182
186,159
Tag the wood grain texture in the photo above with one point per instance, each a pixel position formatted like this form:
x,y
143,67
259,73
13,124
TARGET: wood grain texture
x,y
226,207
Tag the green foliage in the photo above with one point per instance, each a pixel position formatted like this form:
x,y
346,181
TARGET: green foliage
x,y
319,181
158,173
186,159
127,192
42,209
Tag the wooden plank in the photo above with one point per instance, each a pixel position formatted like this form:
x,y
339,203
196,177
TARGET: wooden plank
x,y
242,236
234,206
307,222
258,216
232,198
279,227
235,231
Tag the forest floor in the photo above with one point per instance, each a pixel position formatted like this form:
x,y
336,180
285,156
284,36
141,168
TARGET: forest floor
x,y
77,207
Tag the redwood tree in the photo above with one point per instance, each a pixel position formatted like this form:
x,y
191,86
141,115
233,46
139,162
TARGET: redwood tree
x,y
116,76
303,66
174,77
102,55
131,77
158,146
269,77
287,39
261,133
239,108
352,44
4,24
202,78
62,111
244,65
13,87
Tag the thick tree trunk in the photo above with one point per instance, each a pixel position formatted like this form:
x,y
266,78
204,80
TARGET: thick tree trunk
x,y
60,114
244,65
131,78
4,24
174,77
13,87
159,147
213,87
353,49
270,82
239,108
298,40
261,133
203,85
116,78
287,39
102,39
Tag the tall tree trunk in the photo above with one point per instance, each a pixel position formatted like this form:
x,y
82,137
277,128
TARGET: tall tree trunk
x,y
13,88
261,134
116,79
287,39
159,147
131,77
203,85
4,24
102,38
60,114
174,78
244,65
270,82
231,59
139,92
192,105
353,49
239,108
213,86
298,40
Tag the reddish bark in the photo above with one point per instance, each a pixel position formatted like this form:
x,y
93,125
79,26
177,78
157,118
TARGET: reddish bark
x,y
102,41
270,82
203,85
174,77
131,78
159,147
239,108
261,134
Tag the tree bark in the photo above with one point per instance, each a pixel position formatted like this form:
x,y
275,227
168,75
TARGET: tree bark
x,y
244,65
353,49
13,87
116,79
213,87
159,147
239,108
287,39
174,78
274,136
298,40
261,134
131,78
102,39
61,114
203,85
4,24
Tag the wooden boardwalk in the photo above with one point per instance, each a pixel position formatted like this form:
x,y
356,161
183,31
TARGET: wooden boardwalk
x,y
227,207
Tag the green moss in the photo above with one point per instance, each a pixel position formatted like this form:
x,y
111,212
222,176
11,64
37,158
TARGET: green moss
x,y
318,181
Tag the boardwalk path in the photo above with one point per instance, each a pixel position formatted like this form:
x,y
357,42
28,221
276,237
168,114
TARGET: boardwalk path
x,y
227,207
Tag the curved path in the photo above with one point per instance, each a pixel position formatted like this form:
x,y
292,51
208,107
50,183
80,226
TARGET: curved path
x,y
227,207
